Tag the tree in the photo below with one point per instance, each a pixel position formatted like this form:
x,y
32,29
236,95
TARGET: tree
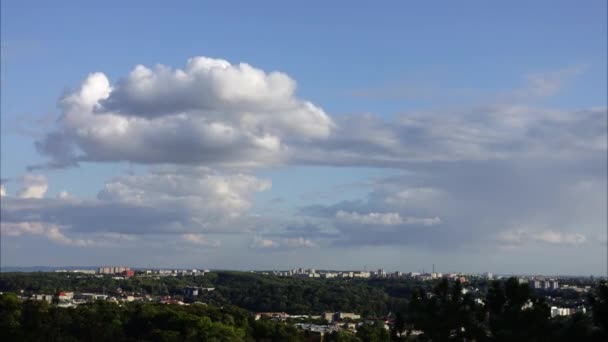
x,y
373,332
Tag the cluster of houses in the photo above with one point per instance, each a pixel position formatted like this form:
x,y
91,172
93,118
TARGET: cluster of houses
x,y
380,273
557,311
69,299
335,321
174,272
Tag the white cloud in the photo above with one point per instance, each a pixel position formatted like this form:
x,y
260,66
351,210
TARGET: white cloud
x,y
51,231
64,195
209,113
16,229
476,134
410,196
285,243
2,190
523,236
167,200
33,186
388,219
200,191
201,240
259,242
547,83
298,242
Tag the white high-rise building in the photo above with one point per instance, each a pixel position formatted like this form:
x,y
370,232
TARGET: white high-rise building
x,y
553,285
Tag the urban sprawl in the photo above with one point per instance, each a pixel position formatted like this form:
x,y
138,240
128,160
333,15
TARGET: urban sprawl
x,y
335,321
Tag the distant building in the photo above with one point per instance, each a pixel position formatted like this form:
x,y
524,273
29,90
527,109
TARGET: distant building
x,y
43,297
361,274
112,269
555,311
63,295
337,316
319,329
277,316
90,297
191,291
329,316
348,315
554,285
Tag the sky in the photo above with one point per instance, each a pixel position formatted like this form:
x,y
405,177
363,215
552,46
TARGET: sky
x,y
344,135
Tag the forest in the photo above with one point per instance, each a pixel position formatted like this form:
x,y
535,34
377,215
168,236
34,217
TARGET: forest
x,y
415,311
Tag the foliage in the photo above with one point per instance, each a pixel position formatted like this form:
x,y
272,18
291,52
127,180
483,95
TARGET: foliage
x,y
106,321
417,311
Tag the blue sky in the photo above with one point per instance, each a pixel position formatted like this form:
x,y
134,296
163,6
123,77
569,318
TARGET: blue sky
x,y
438,131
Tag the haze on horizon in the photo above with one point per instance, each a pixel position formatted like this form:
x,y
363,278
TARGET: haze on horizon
x,y
472,136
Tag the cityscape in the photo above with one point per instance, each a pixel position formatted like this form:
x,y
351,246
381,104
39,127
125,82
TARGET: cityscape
x,y
563,296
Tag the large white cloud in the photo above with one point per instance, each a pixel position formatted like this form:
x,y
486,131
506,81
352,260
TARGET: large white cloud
x,y
209,113
482,169
215,113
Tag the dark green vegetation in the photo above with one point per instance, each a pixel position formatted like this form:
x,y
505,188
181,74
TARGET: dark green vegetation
x,y
511,313
250,291
438,309
106,321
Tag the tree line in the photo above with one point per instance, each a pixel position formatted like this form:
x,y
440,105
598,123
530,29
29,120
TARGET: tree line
x,y
416,311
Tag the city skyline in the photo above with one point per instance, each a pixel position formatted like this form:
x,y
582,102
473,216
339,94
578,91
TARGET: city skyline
x,y
471,136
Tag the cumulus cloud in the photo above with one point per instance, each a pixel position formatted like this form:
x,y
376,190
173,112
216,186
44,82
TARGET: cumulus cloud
x,y
198,190
51,231
165,201
209,113
2,190
215,113
33,186
474,171
476,201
